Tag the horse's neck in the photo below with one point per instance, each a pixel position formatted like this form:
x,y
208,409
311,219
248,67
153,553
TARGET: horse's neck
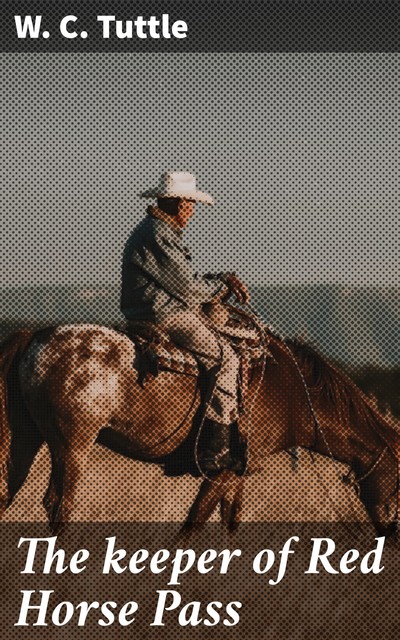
x,y
354,442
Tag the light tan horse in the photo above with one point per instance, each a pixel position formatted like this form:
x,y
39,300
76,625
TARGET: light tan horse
x,y
72,385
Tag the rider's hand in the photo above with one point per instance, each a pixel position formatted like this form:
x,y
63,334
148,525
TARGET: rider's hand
x,y
239,290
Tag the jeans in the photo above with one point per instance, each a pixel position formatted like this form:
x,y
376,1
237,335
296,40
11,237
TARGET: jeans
x,y
188,329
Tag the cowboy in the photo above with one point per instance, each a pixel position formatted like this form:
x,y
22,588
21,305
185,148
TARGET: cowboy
x,y
159,285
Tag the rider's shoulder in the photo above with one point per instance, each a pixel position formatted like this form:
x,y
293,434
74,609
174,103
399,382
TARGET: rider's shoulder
x,y
151,229
143,228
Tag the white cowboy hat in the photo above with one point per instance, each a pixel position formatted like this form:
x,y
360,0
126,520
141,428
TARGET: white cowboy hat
x,y
178,184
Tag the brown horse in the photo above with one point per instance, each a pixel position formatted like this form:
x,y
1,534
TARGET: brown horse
x,y
71,386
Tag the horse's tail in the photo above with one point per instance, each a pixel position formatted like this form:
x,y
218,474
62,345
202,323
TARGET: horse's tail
x,y
11,402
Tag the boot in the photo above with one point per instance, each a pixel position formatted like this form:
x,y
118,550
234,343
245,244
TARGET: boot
x,y
214,447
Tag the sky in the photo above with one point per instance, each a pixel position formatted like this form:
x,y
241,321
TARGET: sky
x,y
300,151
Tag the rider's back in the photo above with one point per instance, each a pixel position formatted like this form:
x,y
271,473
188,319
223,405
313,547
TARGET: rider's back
x,y
157,274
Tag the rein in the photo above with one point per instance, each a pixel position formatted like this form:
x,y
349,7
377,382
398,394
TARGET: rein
x,y
312,411
319,429
349,479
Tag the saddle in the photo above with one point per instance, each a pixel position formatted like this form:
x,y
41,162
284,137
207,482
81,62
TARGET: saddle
x,y
157,352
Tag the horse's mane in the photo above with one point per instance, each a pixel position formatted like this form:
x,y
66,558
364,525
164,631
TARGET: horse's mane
x,y
350,403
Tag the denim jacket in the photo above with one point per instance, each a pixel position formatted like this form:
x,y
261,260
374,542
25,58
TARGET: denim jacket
x,y
158,277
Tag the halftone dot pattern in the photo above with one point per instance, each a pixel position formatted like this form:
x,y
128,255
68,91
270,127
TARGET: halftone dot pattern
x,y
301,154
